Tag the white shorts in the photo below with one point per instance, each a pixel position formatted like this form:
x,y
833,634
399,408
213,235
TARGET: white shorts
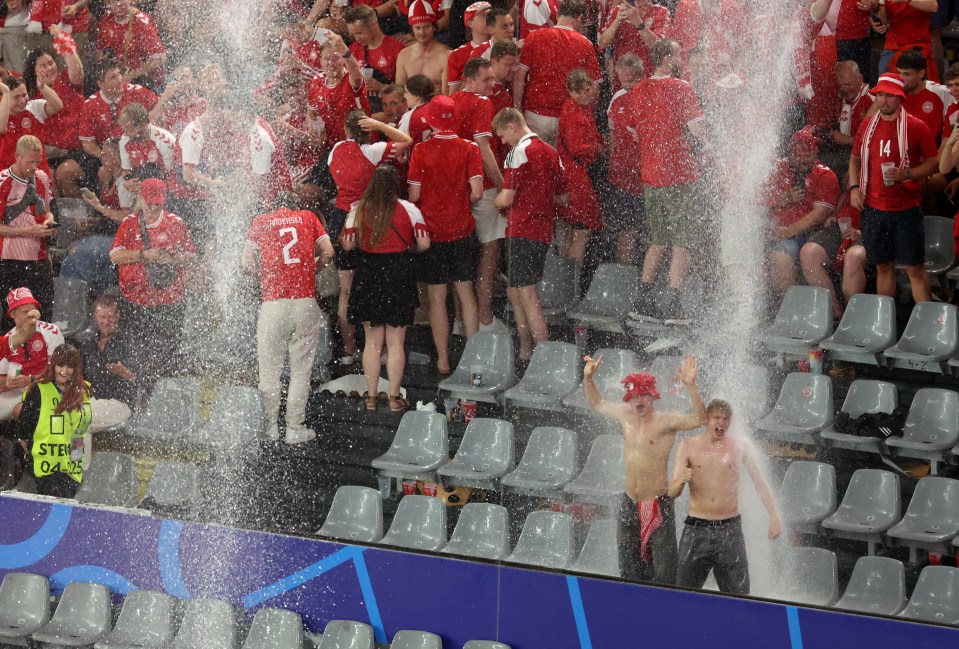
x,y
490,224
547,128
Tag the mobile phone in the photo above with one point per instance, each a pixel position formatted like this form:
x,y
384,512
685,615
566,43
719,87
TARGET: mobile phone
x,y
86,193
53,225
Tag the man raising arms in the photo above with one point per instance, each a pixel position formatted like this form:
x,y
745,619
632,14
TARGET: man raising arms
x,y
647,544
426,55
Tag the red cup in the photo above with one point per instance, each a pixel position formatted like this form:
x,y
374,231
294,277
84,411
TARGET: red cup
x,y
576,511
429,489
589,514
557,505
469,411
409,487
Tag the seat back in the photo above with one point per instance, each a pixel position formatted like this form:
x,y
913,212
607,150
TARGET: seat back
x,y
808,492
71,304
869,321
805,400
275,628
421,438
172,410
604,465
872,497
485,644
419,523
674,396
866,396
24,603
749,389
617,363
877,585
936,596
111,480
940,244
933,418
931,331
804,314
546,540
481,531
550,454
173,486
355,515
207,624
146,618
613,290
84,605
933,505
416,640
554,369
347,634
491,351
813,576
237,419
487,446
600,553
557,289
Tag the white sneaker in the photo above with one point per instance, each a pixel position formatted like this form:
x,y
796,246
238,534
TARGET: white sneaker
x,y
497,326
299,434
458,328
273,432
347,360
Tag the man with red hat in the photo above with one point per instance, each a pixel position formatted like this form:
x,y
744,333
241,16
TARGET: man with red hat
x,y
426,55
647,547
26,357
475,19
892,153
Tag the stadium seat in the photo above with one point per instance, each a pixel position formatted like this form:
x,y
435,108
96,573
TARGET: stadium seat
x,y
807,495
674,396
617,363
931,428
490,353
146,621
932,518
610,297
931,338
172,411
236,424
867,329
812,577
871,505
275,628
940,247
419,523
750,391
877,585
546,540
804,319
553,373
548,463
603,476
935,597
600,553
173,490
346,634
559,287
71,305
206,624
421,446
865,396
83,616
24,605
111,480
802,410
481,531
416,640
355,515
484,456
485,644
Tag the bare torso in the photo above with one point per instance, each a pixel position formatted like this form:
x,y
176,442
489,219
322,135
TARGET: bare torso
x,y
714,488
646,447
430,61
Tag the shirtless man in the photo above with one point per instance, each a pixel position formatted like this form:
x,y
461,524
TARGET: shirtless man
x,y
426,55
647,546
713,534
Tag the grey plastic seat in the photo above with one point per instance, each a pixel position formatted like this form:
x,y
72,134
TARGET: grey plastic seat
x,y
275,628
481,531
421,445
602,480
865,396
609,298
207,624
557,291
416,640
171,413
492,354
419,523
935,597
807,495
803,320
146,620
71,305
600,553
877,585
812,577
871,505
932,518
546,540
803,408
750,390
83,616
617,363
553,373
24,605
548,463
485,644
355,515
867,329
484,456
173,490
347,634
940,246
931,338
931,428
111,480
236,424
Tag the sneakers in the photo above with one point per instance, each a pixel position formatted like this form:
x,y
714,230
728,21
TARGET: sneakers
x,y
347,360
273,432
299,434
674,313
497,326
647,310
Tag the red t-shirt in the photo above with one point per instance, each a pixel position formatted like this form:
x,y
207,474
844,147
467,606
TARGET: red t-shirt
x,y
158,148
458,58
382,58
659,110
821,188
442,168
949,122
407,224
537,14
927,106
625,154
580,145
63,129
852,22
473,118
352,165
98,118
414,124
907,26
133,42
332,104
41,344
549,55
533,170
30,121
883,147
628,38
690,28
171,235
286,241
501,97
852,115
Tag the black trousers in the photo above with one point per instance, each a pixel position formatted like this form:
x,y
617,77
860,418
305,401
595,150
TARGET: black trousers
x,y
714,545
155,352
661,567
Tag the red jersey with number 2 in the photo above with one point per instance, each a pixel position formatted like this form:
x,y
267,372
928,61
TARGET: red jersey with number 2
x,y
286,241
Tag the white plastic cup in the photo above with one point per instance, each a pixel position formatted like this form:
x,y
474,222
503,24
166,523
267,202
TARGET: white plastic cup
x,y
887,168
845,224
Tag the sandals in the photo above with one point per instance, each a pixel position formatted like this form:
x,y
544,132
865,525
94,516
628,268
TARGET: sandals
x,y
398,404
370,401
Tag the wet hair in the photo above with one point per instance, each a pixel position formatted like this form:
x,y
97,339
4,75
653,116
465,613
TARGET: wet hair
x,y
29,143
106,301
103,67
492,15
660,51
506,117
374,213
578,81
572,8
72,396
359,13
30,67
719,406
392,89
911,60
473,67
421,86
629,62
135,114
352,127
951,73
503,48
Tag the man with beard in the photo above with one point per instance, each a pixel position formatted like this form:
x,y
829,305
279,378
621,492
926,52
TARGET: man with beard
x,y
426,55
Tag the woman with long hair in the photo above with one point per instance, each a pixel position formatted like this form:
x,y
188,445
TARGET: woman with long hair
x,y
387,230
53,421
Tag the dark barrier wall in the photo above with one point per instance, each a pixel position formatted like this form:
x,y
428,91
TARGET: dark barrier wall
x,y
459,600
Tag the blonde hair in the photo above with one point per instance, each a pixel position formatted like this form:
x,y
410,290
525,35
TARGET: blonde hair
x,y
28,143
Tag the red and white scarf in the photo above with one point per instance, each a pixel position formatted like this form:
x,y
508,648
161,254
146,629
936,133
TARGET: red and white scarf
x,y
903,143
650,518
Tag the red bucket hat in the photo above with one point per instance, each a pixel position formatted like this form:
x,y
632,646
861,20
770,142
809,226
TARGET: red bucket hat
x,y
473,9
419,12
891,84
20,296
640,384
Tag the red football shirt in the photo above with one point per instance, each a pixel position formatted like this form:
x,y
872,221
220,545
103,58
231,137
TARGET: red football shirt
x,y
907,26
458,58
98,119
625,153
533,170
382,58
883,147
33,355
63,129
549,55
628,38
580,145
352,165
159,149
30,121
537,14
414,124
501,97
852,22
442,168
333,103
952,114
133,42
927,106
473,118
407,224
821,188
286,241
171,235
852,115
12,189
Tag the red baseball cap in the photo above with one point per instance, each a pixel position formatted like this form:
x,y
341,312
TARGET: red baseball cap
x,y
473,9
153,191
891,84
639,384
19,297
439,113
419,12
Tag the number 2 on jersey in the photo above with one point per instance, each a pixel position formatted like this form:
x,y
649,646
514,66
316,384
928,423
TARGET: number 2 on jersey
x,y
294,237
